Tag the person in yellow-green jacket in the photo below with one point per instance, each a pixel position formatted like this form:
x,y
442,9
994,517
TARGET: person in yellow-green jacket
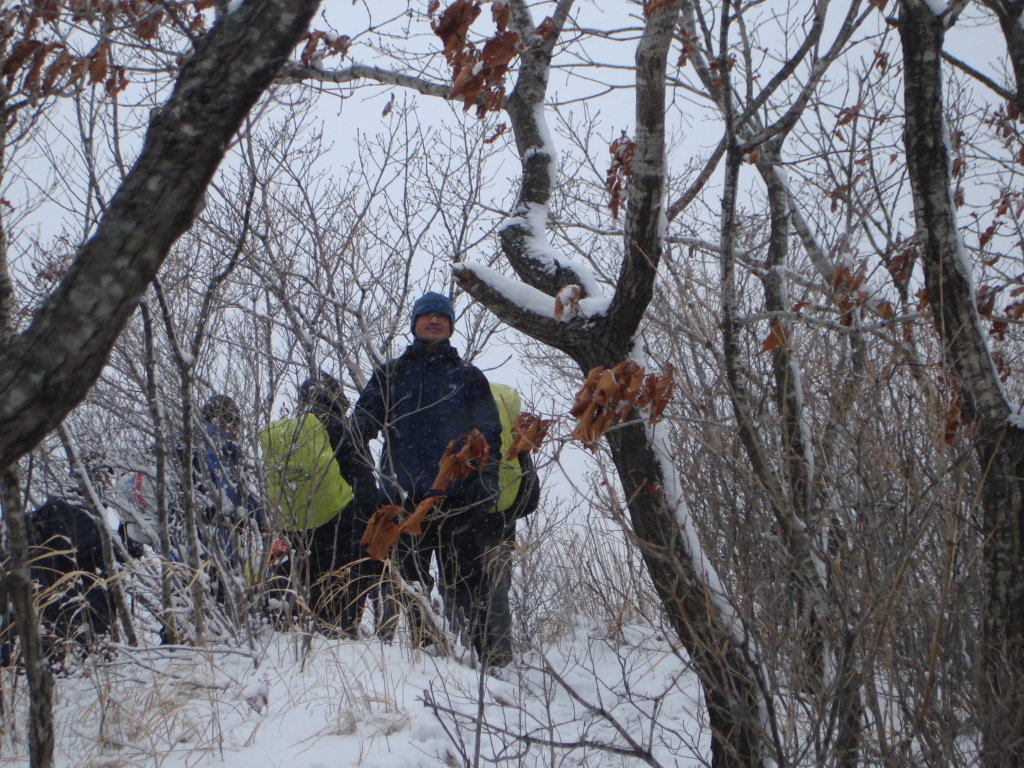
x,y
324,497
518,496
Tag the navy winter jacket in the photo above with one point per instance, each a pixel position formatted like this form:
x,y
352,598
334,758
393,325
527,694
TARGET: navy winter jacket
x,y
356,472
421,401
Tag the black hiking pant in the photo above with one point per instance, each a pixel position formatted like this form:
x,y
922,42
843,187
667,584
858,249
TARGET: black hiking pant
x,y
473,566
340,575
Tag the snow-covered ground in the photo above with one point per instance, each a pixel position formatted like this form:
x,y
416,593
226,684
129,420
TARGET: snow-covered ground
x,y
588,698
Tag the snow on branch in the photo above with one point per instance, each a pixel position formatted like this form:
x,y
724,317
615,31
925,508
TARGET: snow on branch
x,y
531,300
531,220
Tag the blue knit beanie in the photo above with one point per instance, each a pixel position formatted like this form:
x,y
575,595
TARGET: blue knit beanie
x,y
433,302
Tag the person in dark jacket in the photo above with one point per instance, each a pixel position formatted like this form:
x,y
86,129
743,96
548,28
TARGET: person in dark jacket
x,y
421,402
339,575
501,536
219,468
66,551
67,563
227,507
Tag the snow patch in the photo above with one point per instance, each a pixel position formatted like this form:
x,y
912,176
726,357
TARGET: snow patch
x,y
1016,417
546,145
528,298
938,7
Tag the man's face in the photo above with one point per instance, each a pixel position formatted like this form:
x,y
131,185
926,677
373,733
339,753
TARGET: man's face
x,y
431,328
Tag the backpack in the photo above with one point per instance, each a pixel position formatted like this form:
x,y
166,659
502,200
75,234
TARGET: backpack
x,y
517,479
136,506
303,479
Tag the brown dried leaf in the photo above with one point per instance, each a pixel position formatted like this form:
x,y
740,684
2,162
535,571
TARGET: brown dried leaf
x,y
567,303
619,173
660,392
381,532
467,81
545,29
630,377
453,26
117,81
922,299
98,65
36,67
953,421
60,66
340,45
846,114
586,394
21,52
48,10
606,391
472,454
987,234
650,6
986,300
500,13
776,337
585,430
501,49
498,132
528,434
149,25
308,54
413,524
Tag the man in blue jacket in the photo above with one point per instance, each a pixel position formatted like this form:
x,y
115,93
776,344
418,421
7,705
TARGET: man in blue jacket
x,y
421,401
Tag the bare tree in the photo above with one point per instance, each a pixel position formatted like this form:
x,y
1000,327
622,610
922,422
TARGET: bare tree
x,y
986,411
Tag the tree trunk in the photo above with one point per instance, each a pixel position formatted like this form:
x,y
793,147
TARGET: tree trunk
x,y
19,588
17,581
713,637
998,445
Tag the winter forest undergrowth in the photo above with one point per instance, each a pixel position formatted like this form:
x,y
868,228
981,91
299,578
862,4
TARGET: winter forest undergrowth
x,y
805,214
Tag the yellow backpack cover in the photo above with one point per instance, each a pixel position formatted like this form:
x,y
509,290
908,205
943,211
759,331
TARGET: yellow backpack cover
x,y
303,480
510,475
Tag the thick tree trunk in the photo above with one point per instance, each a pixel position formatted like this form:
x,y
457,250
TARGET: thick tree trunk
x,y
46,371
999,446
713,637
19,588
17,581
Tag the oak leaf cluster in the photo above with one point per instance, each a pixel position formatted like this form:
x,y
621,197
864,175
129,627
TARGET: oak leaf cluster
x,y
463,456
619,173
478,74
36,59
608,394
320,45
567,303
528,433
